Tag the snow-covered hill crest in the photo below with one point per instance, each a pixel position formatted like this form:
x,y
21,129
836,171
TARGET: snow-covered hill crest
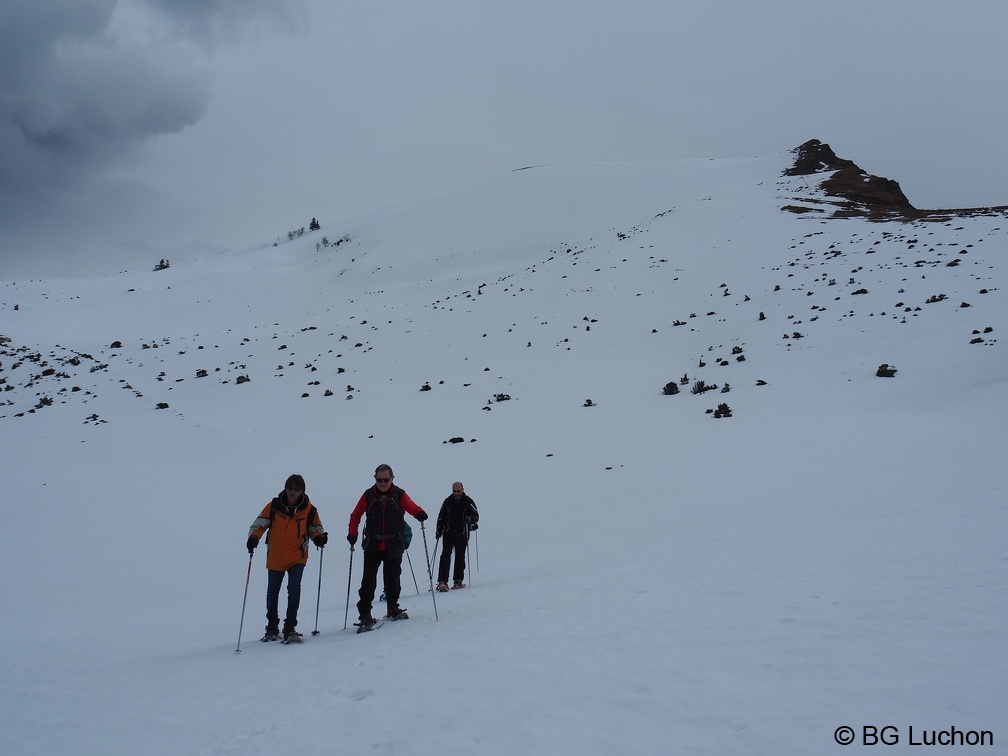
x,y
588,232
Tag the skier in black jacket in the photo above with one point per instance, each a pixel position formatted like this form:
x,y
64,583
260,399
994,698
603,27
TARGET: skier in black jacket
x,y
457,517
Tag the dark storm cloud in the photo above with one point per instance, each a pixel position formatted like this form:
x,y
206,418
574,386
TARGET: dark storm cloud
x,y
82,84
80,88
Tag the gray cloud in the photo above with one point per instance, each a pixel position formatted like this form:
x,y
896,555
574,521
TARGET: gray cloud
x,y
97,100
85,83
83,86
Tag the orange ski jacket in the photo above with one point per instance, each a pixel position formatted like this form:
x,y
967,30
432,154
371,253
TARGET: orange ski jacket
x,y
291,528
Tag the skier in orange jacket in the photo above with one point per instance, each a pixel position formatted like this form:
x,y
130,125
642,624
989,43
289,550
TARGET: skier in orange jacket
x,y
292,520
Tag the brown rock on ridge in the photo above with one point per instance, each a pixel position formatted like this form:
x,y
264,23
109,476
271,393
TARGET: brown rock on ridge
x,y
863,194
856,193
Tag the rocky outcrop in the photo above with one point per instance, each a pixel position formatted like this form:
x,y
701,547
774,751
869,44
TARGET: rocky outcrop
x,y
859,193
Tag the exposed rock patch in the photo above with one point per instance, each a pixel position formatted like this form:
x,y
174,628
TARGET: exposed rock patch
x,y
861,193
853,192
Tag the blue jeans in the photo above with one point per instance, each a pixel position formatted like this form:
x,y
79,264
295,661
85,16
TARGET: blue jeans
x,y
293,595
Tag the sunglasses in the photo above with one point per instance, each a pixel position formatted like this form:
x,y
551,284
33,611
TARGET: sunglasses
x,y
382,480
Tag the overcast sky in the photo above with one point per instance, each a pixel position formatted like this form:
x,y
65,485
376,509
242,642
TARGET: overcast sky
x,y
137,130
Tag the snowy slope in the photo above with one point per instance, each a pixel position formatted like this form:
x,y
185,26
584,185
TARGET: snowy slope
x,y
652,579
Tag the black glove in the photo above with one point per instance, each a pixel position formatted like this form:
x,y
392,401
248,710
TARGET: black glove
x,y
352,537
252,542
321,540
437,534
473,526
421,515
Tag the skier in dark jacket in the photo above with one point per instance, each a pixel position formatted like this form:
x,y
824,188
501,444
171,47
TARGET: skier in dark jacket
x,y
384,542
457,517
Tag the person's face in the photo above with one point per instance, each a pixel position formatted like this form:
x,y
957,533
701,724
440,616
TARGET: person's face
x,y
294,494
457,491
383,480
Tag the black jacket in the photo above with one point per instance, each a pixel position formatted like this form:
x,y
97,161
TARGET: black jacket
x,y
455,518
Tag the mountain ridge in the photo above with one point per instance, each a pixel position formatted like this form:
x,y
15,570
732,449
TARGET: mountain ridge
x,y
503,240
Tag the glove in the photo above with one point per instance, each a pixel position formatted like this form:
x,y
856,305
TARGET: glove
x,y
421,515
352,538
474,526
321,540
252,542
437,534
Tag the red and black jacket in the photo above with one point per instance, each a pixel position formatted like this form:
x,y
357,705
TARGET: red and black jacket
x,y
385,526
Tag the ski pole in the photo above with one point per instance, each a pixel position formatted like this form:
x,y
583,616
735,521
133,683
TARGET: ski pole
x,y
430,577
244,600
436,541
410,562
476,536
346,614
318,598
468,563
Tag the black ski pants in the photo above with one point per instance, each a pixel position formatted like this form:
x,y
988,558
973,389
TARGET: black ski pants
x,y
391,560
459,545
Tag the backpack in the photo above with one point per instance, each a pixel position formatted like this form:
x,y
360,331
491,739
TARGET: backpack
x,y
405,534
